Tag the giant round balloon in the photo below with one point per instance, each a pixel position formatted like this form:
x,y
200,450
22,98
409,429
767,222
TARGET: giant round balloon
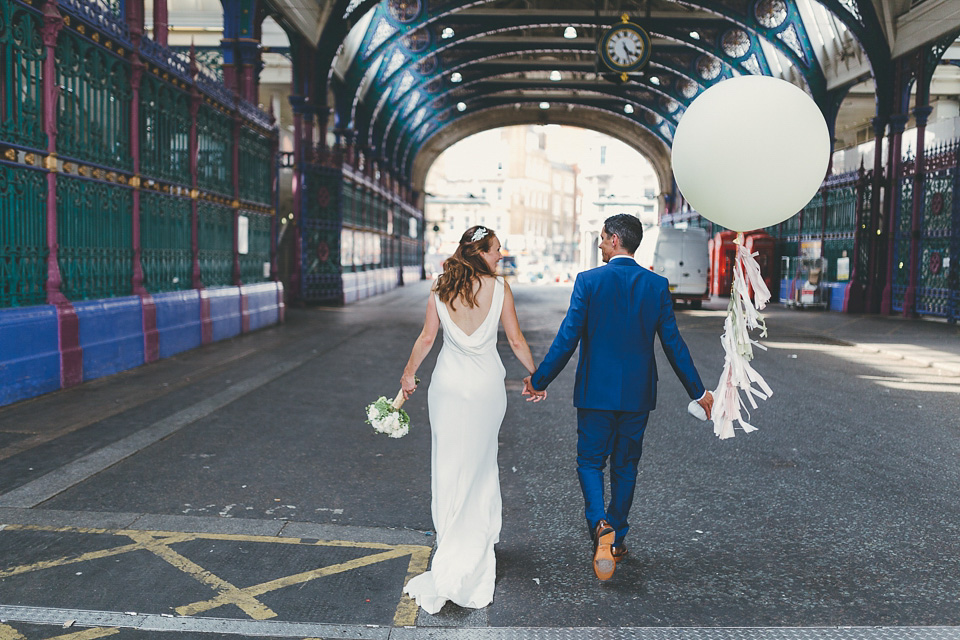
x,y
750,152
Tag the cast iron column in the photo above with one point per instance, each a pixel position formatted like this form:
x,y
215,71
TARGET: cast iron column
x,y
875,225
921,113
134,9
897,124
160,26
194,190
297,102
52,23
237,280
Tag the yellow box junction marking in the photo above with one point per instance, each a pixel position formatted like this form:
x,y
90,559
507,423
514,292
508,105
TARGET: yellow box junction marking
x,y
158,543
9,633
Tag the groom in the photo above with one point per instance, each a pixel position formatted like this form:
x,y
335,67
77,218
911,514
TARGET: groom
x,y
615,312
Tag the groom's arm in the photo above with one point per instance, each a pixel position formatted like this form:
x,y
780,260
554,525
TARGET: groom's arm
x,y
568,337
676,349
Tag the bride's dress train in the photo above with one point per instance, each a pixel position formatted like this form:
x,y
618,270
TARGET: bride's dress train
x,y
467,401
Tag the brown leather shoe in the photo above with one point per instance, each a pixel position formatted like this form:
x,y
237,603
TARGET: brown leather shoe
x,y
619,552
604,563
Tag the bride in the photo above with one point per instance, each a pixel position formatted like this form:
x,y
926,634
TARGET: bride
x,y
466,401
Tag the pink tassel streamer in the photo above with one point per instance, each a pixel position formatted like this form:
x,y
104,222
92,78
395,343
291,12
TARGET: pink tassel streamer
x,y
743,315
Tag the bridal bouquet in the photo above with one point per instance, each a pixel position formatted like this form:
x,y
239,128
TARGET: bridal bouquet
x,y
387,417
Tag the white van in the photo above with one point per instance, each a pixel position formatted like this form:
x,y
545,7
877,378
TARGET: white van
x,y
682,257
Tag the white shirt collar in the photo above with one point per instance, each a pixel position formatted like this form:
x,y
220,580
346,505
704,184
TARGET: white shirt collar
x,y
620,256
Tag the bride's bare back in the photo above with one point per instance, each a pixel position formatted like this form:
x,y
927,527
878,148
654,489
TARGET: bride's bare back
x,y
467,318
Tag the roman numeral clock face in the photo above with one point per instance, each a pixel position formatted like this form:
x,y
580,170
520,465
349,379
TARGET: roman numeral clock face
x,y
624,47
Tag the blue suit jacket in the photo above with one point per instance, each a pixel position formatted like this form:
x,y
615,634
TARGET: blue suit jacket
x,y
615,312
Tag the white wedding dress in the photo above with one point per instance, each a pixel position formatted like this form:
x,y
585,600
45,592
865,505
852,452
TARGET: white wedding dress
x,y
467,401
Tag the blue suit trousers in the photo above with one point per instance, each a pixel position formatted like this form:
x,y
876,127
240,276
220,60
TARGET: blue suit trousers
x,y
617,436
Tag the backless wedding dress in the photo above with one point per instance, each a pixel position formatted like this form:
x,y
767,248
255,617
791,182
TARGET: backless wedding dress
x,y
467,401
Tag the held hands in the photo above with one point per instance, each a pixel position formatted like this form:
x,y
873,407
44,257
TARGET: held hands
x,y
528,390
707,403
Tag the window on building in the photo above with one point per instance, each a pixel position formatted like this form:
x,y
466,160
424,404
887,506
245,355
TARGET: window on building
x,y
603,155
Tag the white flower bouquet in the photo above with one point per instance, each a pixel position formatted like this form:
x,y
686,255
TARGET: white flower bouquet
x,y
387,417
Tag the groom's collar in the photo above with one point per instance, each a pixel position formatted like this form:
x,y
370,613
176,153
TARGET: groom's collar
x,y
623,260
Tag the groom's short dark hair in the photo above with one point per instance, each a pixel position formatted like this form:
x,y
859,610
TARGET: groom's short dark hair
x,y
627,227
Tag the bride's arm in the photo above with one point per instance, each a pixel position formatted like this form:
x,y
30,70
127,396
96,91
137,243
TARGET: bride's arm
x,y
511,326
428,335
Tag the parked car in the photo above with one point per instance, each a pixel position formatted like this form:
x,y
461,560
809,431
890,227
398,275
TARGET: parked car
x,y
682,257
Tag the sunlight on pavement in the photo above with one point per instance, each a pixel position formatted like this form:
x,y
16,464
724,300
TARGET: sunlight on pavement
x,y
900,366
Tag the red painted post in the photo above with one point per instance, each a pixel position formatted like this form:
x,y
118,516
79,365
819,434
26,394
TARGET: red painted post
x,y
296,102
872,296
897,124
237,124
135,77
160,22
275,191
921,113
323,118
307,120
52,23
206,324
853,300
68,325
194,191
249,50
151,346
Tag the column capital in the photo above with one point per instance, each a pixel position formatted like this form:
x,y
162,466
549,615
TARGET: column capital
x,y
922,114
879,126
301,106
898,122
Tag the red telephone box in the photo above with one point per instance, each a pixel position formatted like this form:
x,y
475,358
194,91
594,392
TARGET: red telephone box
x,y
723,251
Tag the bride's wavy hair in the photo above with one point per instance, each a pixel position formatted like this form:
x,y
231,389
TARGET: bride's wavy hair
x,y
464,267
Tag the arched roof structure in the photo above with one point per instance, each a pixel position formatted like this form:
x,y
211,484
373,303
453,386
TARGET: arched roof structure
x,y
409,77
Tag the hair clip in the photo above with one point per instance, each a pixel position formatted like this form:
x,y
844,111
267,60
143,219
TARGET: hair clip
x,y
479,234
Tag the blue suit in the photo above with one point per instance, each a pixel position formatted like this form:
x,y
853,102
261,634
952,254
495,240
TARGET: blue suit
x,y
615,312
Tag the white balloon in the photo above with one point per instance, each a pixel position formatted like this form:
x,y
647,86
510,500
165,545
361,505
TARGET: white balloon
x,y
750,152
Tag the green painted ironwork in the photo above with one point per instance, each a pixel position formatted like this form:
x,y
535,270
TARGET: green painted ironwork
x,y
258,248
93,119
214,151
94,207
350,204
933,284
164,131
23,236
865,233
215,244
901,242
21,61
321,226
94,233
791,226
840,224
165,231
256,167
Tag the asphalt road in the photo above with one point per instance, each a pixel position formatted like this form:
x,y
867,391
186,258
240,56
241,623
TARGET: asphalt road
x,y
238,485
